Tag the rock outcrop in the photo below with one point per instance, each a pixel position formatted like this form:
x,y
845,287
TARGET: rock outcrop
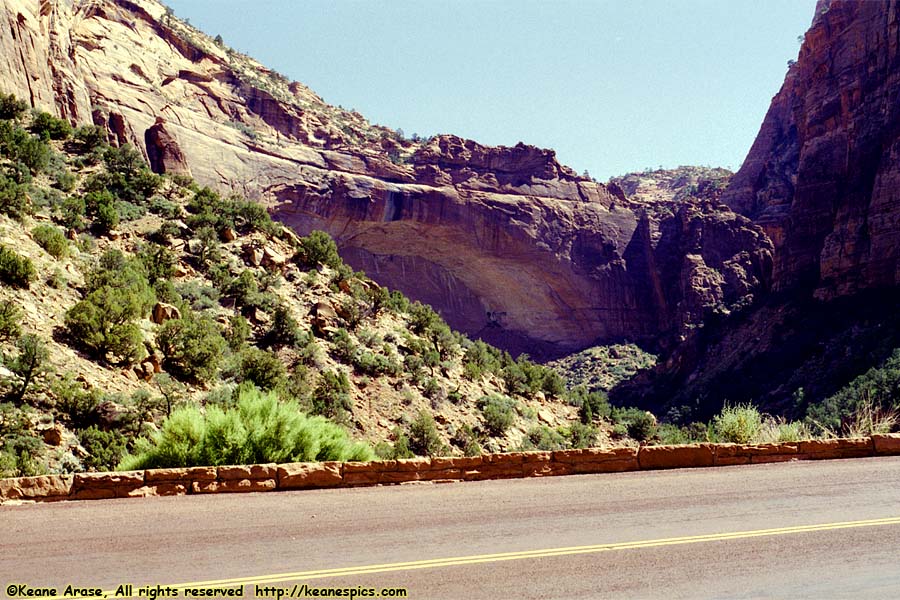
x,y
822,177
822,180
505,242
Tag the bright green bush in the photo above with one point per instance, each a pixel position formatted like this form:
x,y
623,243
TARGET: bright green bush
x,y
739,424
51,239
16,271
193,347
261,429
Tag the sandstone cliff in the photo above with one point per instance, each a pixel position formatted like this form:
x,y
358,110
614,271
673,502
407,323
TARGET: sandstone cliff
x,y
822,180
506,243
822,176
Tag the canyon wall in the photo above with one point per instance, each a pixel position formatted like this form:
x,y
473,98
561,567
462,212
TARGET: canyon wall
x,y
822,177
505,242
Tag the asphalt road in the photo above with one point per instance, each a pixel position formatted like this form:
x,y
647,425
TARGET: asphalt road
x,y
793,530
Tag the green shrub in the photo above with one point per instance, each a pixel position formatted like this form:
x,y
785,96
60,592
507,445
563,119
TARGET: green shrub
x,y
90,137
740,424
48,127
264,369
74,403
466,439
543,438
398,450
318,248
198,296
51,239
106,449
103,333
285,330
261,429
64,180
71,213
14,199
10,107
127,175
640,425
159,262
20,456
424,438
29,363
107,217
19,173
689,434
238,333
19,146
786,431
16,271
208,209
876,390
192,346
207,247
10,317
498,412
331,398
118,293
581,435
591,405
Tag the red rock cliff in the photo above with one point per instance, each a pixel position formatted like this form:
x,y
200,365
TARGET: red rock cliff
x,y
504,241
822,177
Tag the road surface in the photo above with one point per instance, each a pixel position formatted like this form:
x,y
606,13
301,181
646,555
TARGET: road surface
x,y
827,529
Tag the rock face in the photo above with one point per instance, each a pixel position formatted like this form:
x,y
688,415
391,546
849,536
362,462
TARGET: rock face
x,y
822,177
505,242
163,151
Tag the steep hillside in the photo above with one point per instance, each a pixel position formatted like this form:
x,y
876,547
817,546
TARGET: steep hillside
x,y
127,295
506,243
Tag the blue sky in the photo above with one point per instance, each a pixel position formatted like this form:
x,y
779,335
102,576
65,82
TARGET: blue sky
x,y
612,85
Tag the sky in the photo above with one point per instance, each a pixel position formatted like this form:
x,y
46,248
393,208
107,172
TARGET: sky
x,y
614,86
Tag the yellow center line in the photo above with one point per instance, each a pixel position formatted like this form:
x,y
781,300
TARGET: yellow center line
x,y
525,554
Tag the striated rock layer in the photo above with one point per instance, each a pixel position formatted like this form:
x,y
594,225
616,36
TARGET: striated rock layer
x,y
822,177
505,242
823,180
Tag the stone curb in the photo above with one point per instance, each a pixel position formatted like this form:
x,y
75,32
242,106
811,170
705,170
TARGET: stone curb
x,y
509,465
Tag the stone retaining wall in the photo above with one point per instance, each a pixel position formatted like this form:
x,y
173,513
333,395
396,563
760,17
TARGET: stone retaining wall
x,y
302,476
